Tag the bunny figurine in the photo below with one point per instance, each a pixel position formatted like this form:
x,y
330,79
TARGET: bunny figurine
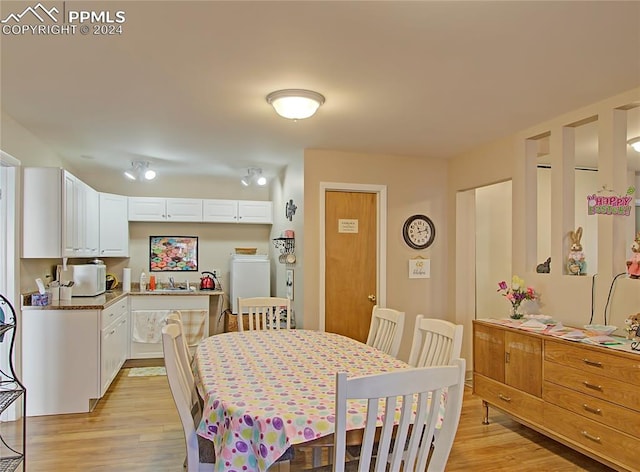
x,y
633,264
576,264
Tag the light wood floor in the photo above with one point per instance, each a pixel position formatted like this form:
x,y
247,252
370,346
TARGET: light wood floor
x,y
135,428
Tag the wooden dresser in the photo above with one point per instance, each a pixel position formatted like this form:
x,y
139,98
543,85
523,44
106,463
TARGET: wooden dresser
x,y
587,397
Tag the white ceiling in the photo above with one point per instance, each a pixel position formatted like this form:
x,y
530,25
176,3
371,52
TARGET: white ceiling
x,y
184,85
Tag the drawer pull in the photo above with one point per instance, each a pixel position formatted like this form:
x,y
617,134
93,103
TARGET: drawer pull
x,y
592,387
592,363
502,397
595,411
593,438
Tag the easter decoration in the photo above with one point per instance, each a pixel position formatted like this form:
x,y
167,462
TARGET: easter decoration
x,y
576,263
545,267
633,264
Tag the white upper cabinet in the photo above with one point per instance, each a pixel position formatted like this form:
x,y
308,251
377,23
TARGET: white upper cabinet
x,y
255,211
184,209
114,226
220,211
60,215
165,209
238,211
91,221
42,219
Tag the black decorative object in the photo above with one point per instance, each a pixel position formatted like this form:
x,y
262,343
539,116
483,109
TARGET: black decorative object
x,y
290,210
11,389
545,267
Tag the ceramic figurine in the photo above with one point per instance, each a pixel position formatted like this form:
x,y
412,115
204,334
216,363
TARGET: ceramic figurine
x,y
545,267
632,326
633,264
576,263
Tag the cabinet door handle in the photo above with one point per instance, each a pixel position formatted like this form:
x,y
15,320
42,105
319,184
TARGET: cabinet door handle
x,y
592,386
595,411
593,438
113,331
592,363
507,357
502,397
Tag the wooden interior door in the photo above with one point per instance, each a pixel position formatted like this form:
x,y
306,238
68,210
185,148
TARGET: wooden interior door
x,y
351,262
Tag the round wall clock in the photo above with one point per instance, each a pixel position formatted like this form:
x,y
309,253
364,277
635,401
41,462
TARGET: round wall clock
x,y
419,232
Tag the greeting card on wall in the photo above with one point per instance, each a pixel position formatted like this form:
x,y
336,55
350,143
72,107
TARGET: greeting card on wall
x,y
173,253
419,268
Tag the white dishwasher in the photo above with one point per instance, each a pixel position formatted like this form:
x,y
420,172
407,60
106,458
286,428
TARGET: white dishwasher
x,y
148,315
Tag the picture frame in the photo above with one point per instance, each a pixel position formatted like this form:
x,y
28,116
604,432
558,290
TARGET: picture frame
x,y
289,283
173,253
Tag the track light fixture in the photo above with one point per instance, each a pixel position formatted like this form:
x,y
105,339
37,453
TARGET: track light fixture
x,y
140,171
254,175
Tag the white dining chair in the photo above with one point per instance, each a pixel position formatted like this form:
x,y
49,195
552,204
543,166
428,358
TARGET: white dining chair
x,y
435,342
404,440
264,313
385,330
200,452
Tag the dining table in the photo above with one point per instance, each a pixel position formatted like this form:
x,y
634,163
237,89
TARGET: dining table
x,y
265,391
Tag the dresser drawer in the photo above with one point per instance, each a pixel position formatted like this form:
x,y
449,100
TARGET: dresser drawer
x,y
508,399
606,442
112,312
595,360
598,386
601,411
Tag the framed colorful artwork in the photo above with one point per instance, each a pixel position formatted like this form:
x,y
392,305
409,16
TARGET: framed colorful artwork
x,y
173,253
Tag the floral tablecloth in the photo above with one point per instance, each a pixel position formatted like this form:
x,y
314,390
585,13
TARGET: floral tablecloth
x,y
267,390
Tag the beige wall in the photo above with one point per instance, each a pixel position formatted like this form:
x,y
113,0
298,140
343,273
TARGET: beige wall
x,y
567,298
414,185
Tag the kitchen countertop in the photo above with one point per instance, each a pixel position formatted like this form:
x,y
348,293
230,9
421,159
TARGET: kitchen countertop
x,y
108,298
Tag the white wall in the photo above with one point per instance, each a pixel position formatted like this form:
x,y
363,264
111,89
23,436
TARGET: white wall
x,y
289,186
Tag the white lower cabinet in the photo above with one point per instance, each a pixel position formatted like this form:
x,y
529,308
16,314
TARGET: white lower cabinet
x,y
114,343
60,360
72,356
148,314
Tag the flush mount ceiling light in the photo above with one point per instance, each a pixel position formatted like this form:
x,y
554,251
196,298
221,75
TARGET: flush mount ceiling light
x,y
140,171
254,175
635,143
295,104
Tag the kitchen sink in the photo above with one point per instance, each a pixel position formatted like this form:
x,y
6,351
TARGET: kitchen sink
x,y
172,290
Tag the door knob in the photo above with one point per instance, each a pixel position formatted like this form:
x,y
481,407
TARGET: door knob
x,y
372,298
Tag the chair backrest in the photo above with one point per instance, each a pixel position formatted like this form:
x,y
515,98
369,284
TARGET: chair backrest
x,y
184,355
385,331
407,430
183,392
264,313
435,342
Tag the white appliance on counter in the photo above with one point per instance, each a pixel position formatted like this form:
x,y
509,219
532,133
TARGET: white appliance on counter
x,y
89,280
250,276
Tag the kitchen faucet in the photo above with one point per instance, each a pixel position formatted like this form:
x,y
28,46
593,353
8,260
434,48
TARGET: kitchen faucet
x,y
172,283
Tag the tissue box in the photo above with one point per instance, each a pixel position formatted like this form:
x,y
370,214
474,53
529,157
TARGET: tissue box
x,y
39,299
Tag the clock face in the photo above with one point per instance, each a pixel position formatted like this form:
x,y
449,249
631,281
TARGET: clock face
x,y
419,232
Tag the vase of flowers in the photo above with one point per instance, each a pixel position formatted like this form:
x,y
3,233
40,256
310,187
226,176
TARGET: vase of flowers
x,y
516,294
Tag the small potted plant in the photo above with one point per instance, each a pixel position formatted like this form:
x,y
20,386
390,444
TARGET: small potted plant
x,y
516,294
